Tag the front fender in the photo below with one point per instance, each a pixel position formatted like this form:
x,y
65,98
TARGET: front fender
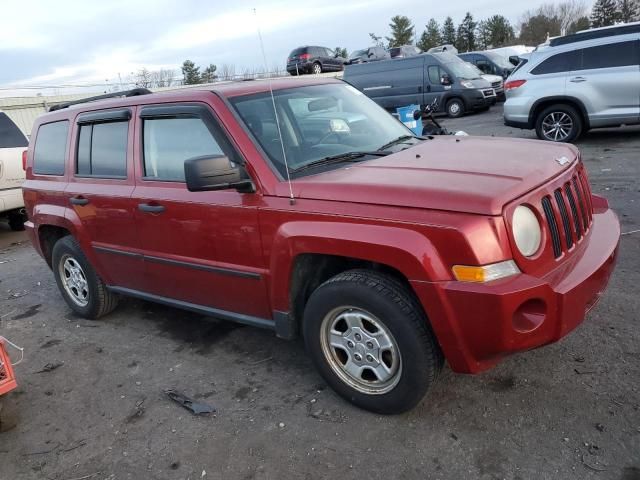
x,y
406,250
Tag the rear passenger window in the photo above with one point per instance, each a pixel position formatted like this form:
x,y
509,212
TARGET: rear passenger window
x,y
102,150
608,56
562,62
10,134
51,148
168,142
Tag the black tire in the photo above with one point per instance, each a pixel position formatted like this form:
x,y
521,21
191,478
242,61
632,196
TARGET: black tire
x,y
100,300
560,112
455,108
317,68
16,221
383,297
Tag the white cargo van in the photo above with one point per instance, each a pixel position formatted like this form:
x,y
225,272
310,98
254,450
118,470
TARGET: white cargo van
x,y
12,144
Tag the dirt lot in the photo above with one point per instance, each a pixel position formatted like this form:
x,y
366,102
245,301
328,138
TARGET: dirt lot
x,y
567,411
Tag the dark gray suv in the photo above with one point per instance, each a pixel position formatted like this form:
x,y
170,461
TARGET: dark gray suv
x,y
316,60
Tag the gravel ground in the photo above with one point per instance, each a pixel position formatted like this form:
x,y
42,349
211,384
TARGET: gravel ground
x,y
567,411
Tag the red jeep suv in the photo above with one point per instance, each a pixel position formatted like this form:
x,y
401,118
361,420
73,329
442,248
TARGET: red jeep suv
x,y
303,207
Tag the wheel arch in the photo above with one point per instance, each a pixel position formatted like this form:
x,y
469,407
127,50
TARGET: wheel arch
x,y
541,104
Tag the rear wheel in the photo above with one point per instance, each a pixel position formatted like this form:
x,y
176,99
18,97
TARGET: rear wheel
x,y
317,68
455,108
559,123
371,341
80,285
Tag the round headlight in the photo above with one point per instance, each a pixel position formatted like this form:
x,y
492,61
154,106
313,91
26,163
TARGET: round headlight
x,y
526,230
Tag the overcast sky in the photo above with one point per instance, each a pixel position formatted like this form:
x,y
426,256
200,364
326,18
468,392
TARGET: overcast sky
x,y
74,42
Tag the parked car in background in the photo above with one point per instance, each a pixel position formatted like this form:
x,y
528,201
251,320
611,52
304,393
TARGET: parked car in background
x,y
316,60
386,252
496,81
404,51
489,62
419,79
12,146
587,80
371,54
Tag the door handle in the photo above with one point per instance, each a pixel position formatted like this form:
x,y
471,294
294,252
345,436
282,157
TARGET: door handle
x,y
79,200
145,207
578,80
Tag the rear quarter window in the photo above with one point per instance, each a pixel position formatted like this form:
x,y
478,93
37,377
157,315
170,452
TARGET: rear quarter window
x,y
620,54
559,63
51,148
10,134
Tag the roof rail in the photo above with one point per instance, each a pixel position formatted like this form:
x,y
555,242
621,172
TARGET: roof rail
x,y
596,33
126,93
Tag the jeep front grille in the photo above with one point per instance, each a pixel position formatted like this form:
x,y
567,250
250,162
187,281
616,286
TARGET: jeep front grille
x,y
568,213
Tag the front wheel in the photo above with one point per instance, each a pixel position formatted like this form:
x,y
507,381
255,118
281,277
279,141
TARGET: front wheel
x,y
559,123
371,341
80,285
455,108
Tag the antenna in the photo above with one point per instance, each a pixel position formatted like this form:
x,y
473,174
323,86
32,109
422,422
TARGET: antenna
x,y
292,200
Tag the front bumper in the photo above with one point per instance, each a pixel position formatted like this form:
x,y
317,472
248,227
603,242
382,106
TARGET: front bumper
x,y
479,324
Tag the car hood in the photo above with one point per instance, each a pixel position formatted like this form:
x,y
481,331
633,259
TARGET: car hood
x,y
477,175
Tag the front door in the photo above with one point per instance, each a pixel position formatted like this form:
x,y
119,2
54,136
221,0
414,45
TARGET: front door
x,y
99,191
434,87
201,248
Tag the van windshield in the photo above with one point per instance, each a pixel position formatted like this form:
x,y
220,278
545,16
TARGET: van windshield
x,y
462,70
317,122
358,54
499,60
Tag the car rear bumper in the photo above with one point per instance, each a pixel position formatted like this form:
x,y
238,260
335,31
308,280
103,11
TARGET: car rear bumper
x,y
479,324
301,67
11,199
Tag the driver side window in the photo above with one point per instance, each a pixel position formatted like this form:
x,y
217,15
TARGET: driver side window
x,y
168,142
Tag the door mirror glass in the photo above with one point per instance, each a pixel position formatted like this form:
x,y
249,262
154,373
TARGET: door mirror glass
x,y
215,172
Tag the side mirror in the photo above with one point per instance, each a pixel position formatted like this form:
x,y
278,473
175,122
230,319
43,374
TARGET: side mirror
x,y
445,80
215,172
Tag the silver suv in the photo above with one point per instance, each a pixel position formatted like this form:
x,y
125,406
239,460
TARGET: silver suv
x,y
571,84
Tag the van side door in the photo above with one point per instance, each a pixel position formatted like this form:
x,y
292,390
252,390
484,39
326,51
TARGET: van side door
x,y
607,80
201,249
99,192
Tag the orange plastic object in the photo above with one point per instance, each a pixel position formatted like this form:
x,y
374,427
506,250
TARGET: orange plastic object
x,y
7,377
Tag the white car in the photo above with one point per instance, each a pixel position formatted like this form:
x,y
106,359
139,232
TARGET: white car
x,y
496,81
12,174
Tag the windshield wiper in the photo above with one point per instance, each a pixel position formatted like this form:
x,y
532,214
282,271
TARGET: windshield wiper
x,y
396,141
342,157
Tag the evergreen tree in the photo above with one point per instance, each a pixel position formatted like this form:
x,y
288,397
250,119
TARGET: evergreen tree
x,y
466,37
431,36
448,36
341,52
401,31
604,13
582,23
209,74
190,73
483,35
500,31
628,10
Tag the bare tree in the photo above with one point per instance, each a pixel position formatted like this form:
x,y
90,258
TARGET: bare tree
x,y
227,71
570,11
143,78
163,78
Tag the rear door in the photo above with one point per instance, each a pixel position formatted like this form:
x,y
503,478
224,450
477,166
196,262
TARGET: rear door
x,y
201,248
99,191
393,84
607,80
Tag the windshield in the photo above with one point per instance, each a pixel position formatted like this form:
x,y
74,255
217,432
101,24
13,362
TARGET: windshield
x,y
317,122
463,71
499,60
358,54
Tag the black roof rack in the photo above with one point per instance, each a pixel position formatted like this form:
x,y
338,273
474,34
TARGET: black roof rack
x,y
126,93
596,33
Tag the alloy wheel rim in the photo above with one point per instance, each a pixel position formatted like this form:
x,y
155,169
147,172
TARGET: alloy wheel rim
x,y
361,350
74,280
317,68
454,108
557,126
